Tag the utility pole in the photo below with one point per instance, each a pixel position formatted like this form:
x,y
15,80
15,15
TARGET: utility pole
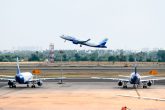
x,y
51,53
61,79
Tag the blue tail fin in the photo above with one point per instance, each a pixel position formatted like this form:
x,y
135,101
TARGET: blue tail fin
x,y
102,43
18,70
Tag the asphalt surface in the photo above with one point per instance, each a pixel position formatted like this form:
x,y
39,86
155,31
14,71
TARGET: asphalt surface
x,y
84,80
80,94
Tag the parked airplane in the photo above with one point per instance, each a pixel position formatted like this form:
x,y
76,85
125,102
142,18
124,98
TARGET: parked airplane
x,y
22,78
76,41
136,80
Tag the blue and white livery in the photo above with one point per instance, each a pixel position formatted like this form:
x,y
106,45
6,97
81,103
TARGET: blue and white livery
x,y
136,80
102,44
22,78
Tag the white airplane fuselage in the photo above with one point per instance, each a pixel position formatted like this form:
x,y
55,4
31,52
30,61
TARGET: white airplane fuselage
x,y
24,78
134,78
76,41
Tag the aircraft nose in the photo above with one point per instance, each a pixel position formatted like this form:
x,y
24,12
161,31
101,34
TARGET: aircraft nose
x,y
62,36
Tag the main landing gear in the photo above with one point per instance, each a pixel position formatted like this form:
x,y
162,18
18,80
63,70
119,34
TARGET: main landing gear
x,y
124,84
33,86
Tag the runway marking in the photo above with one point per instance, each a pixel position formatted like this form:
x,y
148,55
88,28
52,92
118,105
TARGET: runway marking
x,y
95,78
138,94
146,98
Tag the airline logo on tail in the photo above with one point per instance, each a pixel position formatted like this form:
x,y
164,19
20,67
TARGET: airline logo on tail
x,y
102,43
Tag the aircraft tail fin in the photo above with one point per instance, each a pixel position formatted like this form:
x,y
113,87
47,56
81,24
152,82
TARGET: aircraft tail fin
x,y
135,66
135,69
102,43
18,69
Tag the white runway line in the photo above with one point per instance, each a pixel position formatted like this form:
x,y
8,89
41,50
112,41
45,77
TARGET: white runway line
x,y
137,92
95,78
146,98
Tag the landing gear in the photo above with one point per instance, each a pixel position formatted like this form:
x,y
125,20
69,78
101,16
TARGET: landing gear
x,y
10,86
28,85
13,86
124,84
135,86
33,86
144,86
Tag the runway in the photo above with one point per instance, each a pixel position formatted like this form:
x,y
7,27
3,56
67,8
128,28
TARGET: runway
x,y
79,96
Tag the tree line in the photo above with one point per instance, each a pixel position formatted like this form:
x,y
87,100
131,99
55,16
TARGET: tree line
x,y
86,55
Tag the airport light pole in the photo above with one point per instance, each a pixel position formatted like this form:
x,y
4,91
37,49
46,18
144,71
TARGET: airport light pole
x,y
61,80
98,57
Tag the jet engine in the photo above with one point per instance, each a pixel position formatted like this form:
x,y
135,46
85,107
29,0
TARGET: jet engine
x,y
39,83
10,83
149,83
75,42
120,83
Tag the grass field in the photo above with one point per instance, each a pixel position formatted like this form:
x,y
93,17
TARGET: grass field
x,y
87,69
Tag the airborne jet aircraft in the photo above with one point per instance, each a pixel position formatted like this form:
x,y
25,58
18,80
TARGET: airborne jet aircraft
x,y
85,42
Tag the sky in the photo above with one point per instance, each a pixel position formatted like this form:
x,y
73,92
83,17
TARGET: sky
x,y
128,24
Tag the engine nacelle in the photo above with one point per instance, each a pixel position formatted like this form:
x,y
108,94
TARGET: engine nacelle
x,y
120,83
10,83
149,83
39,83
75,42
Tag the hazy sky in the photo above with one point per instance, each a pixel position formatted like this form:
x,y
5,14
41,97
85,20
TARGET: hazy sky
x,y
129,24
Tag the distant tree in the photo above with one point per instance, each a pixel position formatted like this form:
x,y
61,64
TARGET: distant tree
x,y
77,57
94,56
161,55
34,57
149,60
131,58
65,57
112,58
123,58
84,58
5,60
1,58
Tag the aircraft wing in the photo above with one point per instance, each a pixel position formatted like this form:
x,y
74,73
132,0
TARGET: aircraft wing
x,y
124,76
84,41
116,79
44,79
57,78
150,76
121,79
152,79
7,78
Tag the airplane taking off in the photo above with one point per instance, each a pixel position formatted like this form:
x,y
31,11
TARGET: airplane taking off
x,y
136,80
22,78
76,41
